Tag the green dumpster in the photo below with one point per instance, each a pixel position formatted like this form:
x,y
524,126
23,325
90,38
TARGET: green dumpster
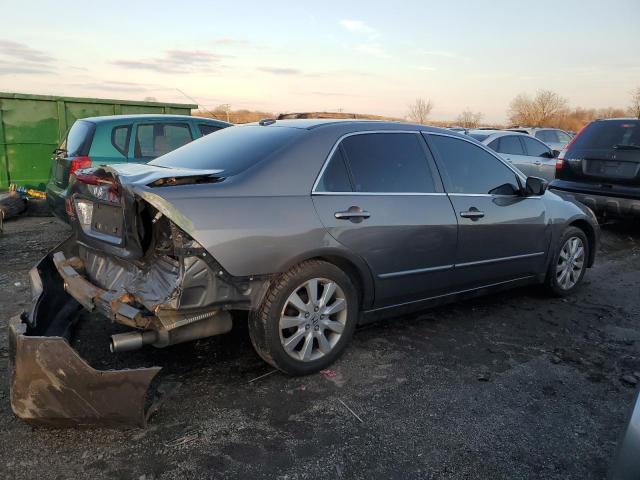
x,y
32,126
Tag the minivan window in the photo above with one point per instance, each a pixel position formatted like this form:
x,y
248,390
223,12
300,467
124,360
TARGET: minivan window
x,y
79,138
606,134
120,138
335,177
510,144
535,148
232,149
388,163
471,169
156,139
206,129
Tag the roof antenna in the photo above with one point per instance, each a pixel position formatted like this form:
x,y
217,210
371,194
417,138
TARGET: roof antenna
x,y
190,98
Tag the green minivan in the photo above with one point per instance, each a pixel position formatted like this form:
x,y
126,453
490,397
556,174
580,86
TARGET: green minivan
x,y
116,139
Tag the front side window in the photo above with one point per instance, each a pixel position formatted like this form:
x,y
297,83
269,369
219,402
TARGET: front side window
x,y
510,144
388,163
156,139
206,129
563,137
472,170
535,148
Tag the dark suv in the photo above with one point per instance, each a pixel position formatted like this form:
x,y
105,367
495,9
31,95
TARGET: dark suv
x,y
600,167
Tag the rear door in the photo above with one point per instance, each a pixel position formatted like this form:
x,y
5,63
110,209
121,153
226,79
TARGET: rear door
x,y
605,153
502,235
542,157
381,196
511,148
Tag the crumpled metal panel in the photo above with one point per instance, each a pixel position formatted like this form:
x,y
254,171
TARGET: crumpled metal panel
x,y
52,385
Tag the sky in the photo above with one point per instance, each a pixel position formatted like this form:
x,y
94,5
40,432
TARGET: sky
x,y
355,56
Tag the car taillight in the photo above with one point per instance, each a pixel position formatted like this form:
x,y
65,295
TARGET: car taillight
x,y
100,187
563,153
79,163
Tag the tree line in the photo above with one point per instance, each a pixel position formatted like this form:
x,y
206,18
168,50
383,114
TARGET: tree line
x,y
544,109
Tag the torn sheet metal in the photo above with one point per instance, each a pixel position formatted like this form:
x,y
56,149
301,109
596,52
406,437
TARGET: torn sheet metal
x,y
52,385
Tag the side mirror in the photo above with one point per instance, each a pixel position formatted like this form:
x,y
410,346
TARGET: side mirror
x,y
556,153
535,186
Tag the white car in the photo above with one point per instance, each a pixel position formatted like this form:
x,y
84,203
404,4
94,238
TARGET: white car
x,y
528,154
554,137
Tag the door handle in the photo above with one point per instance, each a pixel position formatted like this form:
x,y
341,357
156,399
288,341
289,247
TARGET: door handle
x,y
473,214
355,214
537,162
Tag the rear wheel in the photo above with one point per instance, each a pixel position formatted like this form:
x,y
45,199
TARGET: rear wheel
x,y
306,319
570,262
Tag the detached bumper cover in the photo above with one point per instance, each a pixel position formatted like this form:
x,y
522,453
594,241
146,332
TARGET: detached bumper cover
x,y
50,383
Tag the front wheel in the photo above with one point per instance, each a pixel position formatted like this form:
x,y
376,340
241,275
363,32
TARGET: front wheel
x,y
306,319
569,264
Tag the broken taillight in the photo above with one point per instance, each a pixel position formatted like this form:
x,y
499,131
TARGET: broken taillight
x,y
100,187
79,163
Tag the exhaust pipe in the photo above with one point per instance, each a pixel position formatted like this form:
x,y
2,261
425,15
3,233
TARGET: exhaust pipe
x,y
216,324
125,342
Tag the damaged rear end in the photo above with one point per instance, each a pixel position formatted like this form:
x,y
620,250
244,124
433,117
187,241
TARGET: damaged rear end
x,y
131,258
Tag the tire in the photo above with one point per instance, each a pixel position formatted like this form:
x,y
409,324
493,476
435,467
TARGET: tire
x,y
565,284
289,316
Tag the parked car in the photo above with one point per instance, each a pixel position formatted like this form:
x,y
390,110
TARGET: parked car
x,y
119,139
312,226
529,155
626,465
554,137
601,167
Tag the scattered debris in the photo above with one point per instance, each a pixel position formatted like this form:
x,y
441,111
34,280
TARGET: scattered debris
x,y
484,376
556,359
328,373
262,376
352,412
188,437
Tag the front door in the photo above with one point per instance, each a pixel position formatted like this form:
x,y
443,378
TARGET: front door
x,y
380,195
502,235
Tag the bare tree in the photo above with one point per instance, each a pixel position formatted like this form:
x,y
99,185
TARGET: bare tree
x,y
540,111
420,109
469,119
634,109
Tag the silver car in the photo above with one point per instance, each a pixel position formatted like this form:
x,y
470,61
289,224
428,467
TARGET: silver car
x,y
554,137
311,226
529,155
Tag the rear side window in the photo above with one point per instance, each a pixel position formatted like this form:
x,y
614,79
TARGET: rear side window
x,y
232,149
388,163
510,144
335,177
535,148
563,137
79,138
156,139
120,138
206,129
471,169
547,136
608,134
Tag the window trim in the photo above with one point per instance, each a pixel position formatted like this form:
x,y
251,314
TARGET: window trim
x,y
129,128
495,155
136,145
437,180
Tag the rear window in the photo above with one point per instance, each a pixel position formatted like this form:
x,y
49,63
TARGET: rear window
x,y
609,134
79,139
231,150
478,136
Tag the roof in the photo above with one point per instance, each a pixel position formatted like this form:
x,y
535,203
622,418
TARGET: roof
x,y
313,123
491,134
150,116
28,96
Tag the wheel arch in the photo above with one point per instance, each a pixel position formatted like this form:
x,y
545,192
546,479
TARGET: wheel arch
x,y
590,232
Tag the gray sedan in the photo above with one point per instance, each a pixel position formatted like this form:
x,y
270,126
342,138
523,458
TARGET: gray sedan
x,y
311,226
528,154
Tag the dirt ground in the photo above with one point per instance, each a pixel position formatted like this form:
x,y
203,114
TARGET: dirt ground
x,y
515,385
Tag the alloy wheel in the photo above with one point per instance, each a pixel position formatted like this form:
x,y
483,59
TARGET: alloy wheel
x,y
313,319
570,263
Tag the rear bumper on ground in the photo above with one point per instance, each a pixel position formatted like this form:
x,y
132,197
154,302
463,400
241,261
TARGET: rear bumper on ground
x,y
600,202
50,383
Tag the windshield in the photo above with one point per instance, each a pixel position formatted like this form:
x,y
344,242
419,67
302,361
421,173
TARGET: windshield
x,y
609,134
231,150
